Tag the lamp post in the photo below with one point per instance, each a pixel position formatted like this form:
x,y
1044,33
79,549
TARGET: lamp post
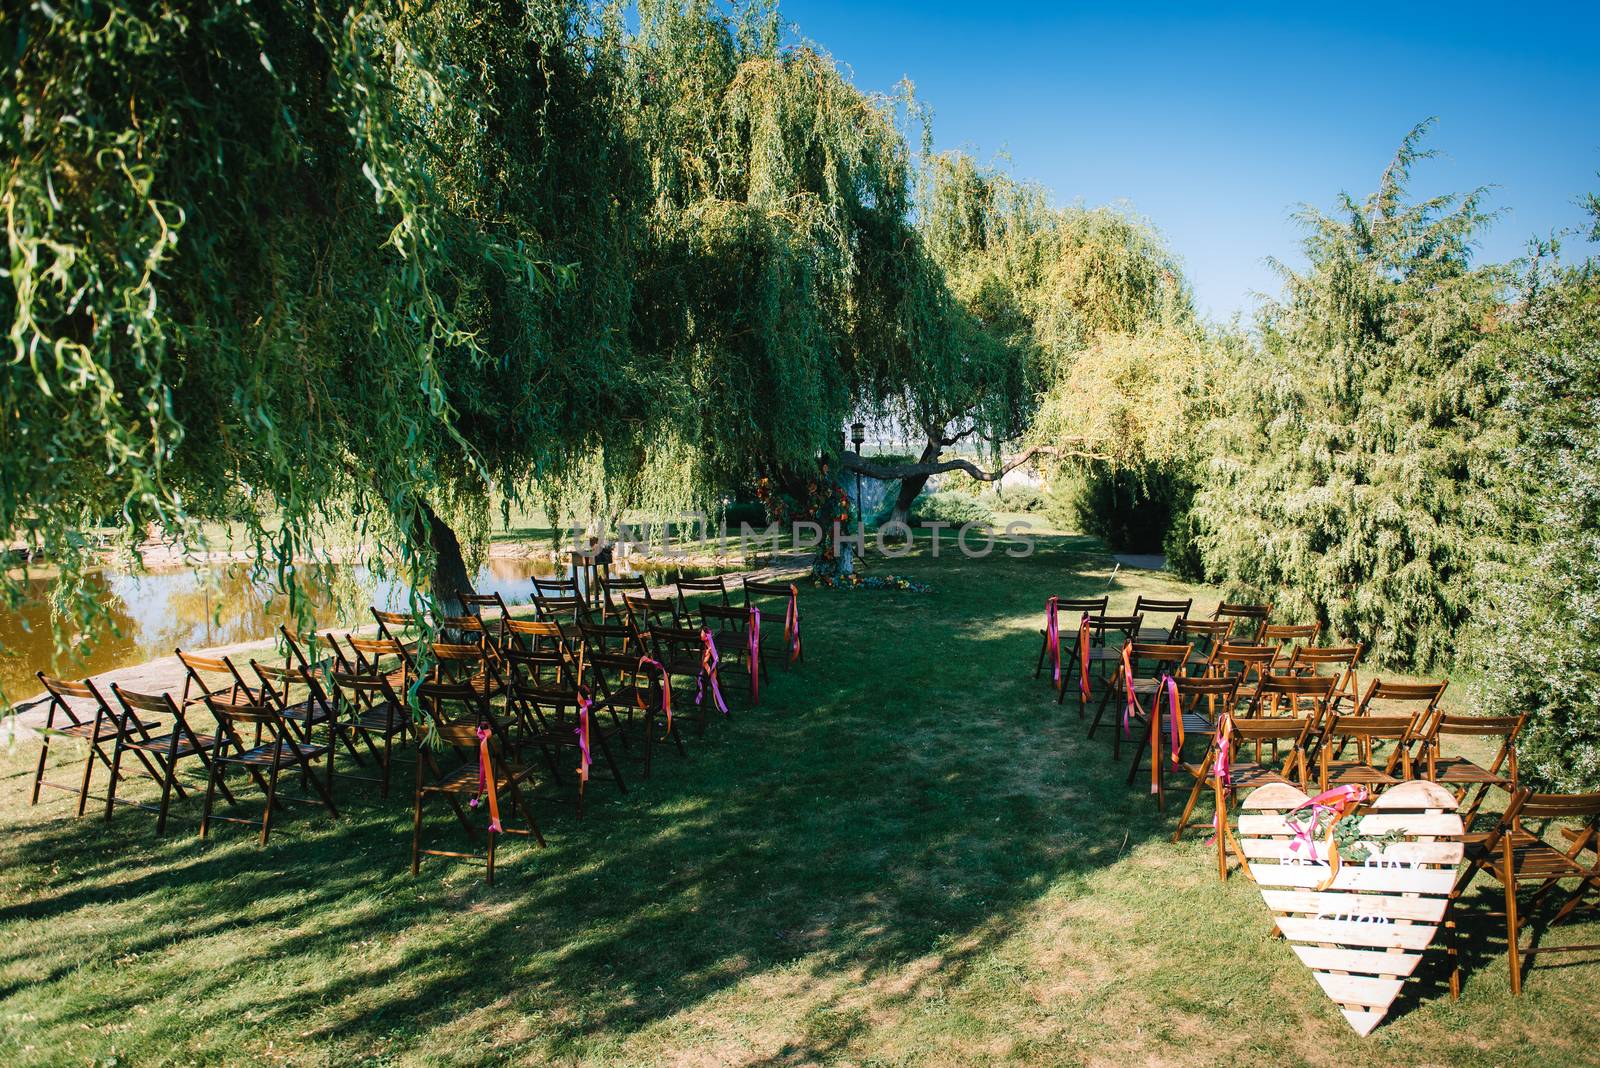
x,y
858,434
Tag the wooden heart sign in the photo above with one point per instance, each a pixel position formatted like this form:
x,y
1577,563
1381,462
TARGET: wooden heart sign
x,y
1362,934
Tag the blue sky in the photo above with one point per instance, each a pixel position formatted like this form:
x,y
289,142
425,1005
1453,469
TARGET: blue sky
x,y
1216,122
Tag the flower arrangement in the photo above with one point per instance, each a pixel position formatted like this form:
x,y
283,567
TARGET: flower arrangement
x,y
857,581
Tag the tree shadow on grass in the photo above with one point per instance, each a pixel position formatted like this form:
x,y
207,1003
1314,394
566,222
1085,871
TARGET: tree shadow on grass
x,y
890,812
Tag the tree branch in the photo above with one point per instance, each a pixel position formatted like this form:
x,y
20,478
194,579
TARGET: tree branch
x,y
849,461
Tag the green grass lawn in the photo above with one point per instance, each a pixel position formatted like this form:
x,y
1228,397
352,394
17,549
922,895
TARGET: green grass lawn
x,y
907,855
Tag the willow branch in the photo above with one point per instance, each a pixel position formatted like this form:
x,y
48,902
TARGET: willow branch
x,y
850,461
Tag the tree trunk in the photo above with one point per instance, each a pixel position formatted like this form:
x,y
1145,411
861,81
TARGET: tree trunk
x,y
450,579
912,485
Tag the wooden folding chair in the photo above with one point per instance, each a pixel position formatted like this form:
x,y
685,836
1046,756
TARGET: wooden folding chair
x,y
712,591
1304,695
558,607
1228,776
1105,636
313,652
613,588
95,728
1248,619
197,687
275,746
1340,660
738,632
484,775
1511,856
683,652
1200,700
618,635
545,695
298,697
479,604
1250,661
1204,634
1285,636
1136,683
637,692
766,595
165,751
1460,774
1150,607
395,626
371,705
1069,612
1364,769
384,656
467,665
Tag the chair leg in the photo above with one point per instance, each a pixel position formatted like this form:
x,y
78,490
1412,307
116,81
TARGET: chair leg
x,y
490,875
169,769
1099,712
1188,810
211,794
272,797
416,834
88,770
1222,830
116,768
1044,647
38,775
1513,934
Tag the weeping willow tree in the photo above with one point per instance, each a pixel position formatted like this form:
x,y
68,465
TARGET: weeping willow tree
x,y
1356,450
1540,648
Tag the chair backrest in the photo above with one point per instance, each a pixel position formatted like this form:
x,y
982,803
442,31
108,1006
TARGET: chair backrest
x,y
371,651
1425,695
1296,691
471,629
1155,606
714,589
1273,729
1222,688
482,603
754,589
459,734
392,625
727,617
61,689
554,607
229,716
646,612
1215,631
196,668
363,689
1077,606
159,704
556,587
452,702
1506,728
1248,618
307,650
531,633
453,661
277,684
1527,805
1282,634
1101,628
1253,660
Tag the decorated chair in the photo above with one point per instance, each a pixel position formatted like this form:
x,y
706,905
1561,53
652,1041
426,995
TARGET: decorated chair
x,y
555,712
636,693
467,665
1187,707
166,752
275,746
98,726
1513,856
485,786
1228,776
1139,681
777,599
738,633
1063,615
1096,653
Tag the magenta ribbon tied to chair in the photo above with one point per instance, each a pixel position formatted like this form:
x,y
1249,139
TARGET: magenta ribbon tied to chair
x,y
485,783
708,673
1130,704
666,687
582,731
791,623
1222,768
1168,690
1052,640
753,648
1333,805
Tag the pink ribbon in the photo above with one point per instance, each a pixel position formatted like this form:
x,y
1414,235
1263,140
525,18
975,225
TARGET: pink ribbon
x,y
666,689
1222,768
1169,687
791,623
1131,705
708,670
1334,803
485,780
582,732
1052,639
1083,657
754,636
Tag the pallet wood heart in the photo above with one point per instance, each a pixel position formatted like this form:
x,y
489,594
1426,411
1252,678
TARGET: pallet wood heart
x,y
1364,934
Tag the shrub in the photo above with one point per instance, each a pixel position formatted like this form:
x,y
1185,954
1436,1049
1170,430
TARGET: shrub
x,y
1015,499
950,507
1130,510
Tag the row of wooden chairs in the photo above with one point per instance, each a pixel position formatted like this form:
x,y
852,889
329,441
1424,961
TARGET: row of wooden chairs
x,y
528,683
1273,707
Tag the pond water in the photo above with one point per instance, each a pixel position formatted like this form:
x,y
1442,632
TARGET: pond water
x,y
148,615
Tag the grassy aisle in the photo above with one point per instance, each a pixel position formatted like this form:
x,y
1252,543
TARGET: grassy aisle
x,y
907,855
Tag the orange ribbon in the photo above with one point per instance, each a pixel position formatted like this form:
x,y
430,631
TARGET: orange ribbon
x,y
486,783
